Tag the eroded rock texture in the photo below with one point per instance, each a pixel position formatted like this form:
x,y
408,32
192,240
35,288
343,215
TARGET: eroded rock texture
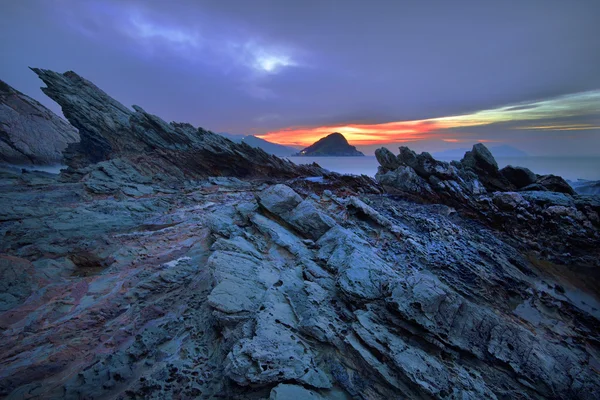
x,y
139,275
546,215
248,290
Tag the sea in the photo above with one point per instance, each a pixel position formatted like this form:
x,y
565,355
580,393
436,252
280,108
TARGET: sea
x,y
571,168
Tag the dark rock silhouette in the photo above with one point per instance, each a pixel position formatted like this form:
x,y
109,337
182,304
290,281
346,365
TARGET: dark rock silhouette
x,y
518,176
110,130
334,145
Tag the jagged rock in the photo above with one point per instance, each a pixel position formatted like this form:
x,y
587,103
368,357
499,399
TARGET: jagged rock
x,y
519,176
481,161
205,286
555,184
404,179
509,200
109,130
31,134
225,293
480,158
387,159
301,214
407,157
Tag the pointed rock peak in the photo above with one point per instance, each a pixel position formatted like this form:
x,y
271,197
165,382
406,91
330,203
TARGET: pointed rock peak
x,y
480,158
334,144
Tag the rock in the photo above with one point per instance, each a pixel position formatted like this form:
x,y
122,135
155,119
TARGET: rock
x,y
109,130
333,145
31,134
243,292
509,200
548,198
279,199
555,184
387,159
285,392
358,207
309,220
534,187
16,281
407,157
216,286
518,176
481,161
404,179
480,158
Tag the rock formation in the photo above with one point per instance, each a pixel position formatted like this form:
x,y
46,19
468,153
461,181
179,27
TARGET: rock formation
x,y
545,211
116,283
146,143
31,134
247,290
334,145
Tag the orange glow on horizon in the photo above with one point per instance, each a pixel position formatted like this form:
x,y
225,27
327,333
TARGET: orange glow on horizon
x,y
578,104
367,134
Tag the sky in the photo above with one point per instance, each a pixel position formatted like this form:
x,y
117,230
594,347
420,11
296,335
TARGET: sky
x,y
432,75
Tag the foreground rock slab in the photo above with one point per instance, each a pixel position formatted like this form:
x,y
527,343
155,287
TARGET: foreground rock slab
x,y
252,290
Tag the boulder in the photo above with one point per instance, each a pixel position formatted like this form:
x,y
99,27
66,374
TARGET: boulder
x,y
480,159
555,184
387,159
519,176
279,199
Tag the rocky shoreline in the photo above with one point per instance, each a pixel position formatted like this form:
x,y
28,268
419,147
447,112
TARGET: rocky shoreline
x,y
169,262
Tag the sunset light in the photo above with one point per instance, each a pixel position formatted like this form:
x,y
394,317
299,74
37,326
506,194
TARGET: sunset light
x,y
575,105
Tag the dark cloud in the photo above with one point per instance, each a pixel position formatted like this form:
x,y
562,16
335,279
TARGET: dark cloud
x,y
255,66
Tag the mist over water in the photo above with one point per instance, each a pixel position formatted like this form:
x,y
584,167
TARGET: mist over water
x,y
571,168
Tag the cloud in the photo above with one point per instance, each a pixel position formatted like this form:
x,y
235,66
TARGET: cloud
x,y
224,64
586,104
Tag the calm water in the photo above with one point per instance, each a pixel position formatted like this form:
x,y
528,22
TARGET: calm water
x,y
572,168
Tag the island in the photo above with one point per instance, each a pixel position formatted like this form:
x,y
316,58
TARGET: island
x,y
334,145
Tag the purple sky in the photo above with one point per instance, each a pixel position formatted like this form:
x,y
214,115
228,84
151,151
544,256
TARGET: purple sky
x,y
260,66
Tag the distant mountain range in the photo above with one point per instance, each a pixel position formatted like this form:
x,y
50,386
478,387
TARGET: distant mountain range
x,y
498,151
334,145
269,147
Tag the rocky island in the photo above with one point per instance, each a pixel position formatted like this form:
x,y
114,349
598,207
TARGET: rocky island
x,y
170,262
334,145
